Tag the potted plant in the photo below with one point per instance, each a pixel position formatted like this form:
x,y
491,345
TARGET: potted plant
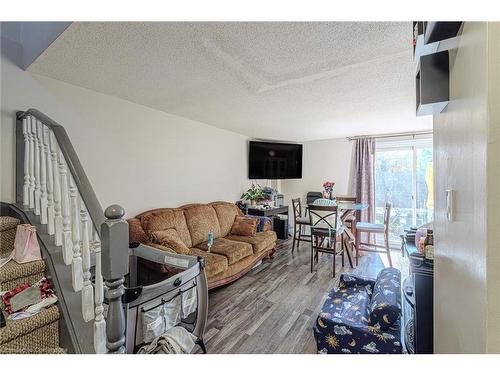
x,y
253,194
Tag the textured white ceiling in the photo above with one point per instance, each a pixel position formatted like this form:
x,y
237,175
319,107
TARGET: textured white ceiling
x,y
287,81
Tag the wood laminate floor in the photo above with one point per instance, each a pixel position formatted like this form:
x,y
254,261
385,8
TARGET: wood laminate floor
x,y
272,308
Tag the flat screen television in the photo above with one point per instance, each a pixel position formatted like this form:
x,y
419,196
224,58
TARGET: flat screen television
x,y
268,160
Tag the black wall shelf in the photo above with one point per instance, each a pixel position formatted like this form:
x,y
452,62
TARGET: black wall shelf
x,y
432,83
437,31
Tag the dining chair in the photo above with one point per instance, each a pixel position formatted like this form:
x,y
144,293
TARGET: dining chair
x,y
325,230
350,219
371,228
298,222
312,196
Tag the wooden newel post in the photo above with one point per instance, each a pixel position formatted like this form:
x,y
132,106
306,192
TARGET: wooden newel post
x,y
114,241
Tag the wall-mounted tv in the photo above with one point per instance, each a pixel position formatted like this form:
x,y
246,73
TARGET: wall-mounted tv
x,y
269,160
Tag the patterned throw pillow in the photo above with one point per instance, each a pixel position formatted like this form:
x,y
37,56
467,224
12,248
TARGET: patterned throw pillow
x,y
244,226
385,306
169,238
264,223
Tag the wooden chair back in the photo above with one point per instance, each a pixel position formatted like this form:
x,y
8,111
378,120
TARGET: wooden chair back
x,y
297,208
312,196
323,217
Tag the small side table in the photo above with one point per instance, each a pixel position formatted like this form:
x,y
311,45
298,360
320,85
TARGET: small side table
x,y
281,231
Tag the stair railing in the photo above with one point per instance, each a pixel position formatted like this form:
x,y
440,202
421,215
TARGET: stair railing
x,y
51,182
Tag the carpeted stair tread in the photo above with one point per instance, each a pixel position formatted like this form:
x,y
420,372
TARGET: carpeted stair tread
x,y
12,350
8,227
17,328
7,222
14,274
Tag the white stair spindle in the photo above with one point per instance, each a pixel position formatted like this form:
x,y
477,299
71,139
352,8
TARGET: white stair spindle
x,y
99,322
67,242
43,175
26,184
50,181
34,131
31,188
57,190
76,262
87,289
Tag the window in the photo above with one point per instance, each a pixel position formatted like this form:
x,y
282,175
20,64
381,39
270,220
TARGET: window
x,y
404,176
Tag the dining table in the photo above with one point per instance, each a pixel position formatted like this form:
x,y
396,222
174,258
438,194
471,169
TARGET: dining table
x,y
344,210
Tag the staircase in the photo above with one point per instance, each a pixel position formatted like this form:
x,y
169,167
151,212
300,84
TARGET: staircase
x,y
54,194
37,334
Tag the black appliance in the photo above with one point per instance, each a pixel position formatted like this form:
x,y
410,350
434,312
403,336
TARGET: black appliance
x,y
274,160
280,226
418,320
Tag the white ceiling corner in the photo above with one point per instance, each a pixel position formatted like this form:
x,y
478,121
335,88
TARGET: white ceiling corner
x,y
277,80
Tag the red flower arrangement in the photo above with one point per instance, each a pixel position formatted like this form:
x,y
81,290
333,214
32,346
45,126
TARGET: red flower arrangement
x,y
328,186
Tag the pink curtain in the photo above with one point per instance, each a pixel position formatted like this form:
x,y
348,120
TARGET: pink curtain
x,y
364,177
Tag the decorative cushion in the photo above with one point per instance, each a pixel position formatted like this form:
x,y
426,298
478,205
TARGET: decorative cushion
x,y
214,263
226,213
385,306
167,218
170,238
244,226
232,250
260,242
264,223
201,219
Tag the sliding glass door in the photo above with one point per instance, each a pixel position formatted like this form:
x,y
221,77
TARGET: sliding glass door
x,y
404,176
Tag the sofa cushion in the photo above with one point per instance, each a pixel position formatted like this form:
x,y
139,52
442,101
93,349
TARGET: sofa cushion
x,y
260,242
201,219
234,251
167,218
214,263
385,305
226,213
169,238
244,226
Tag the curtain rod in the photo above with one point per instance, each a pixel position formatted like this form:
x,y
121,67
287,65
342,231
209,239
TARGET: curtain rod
x,y
390,135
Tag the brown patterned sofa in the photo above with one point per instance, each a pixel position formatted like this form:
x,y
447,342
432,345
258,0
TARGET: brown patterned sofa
x,y
187,228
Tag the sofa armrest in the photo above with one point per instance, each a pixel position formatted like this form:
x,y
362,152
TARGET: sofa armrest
x,y
348,280
135,231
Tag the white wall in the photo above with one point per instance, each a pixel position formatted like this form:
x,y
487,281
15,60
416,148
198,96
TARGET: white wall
x,y
133,155
327,160
466,155
493,187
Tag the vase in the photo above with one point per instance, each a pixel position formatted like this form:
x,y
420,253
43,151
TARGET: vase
x,y
253,203
330,195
